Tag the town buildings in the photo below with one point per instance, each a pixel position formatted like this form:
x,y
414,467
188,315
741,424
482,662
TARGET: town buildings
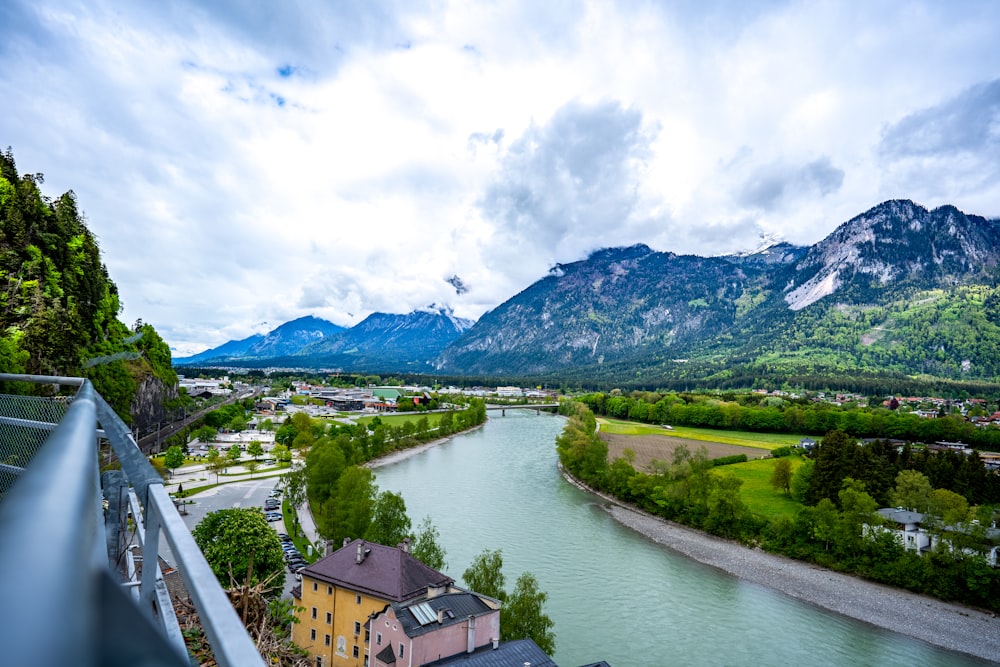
x,y
340,593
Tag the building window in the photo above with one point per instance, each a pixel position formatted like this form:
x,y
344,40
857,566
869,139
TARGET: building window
x,y
357,652
319,661
400,649
329,618
314,612
315,586
312,634
327,640
378,639
357,628
329,590
357,599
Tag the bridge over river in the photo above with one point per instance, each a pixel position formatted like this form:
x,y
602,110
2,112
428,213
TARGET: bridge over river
x,y
537,407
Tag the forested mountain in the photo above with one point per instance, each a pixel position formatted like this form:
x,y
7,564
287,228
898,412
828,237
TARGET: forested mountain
x,y
898,290
59,308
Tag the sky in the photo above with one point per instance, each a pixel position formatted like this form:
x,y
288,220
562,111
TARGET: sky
x,y
245,163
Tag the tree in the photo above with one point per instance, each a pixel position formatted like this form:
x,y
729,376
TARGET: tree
x,y
295,486
255,449
390,525
237,543
950,507
912,491
174,458
281,453
523,616
349,511
485,574
214,462
781,478
426,547
205,434
233,454
801,480
252,466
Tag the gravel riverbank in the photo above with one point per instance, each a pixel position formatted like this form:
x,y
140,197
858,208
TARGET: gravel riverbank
x,y
940,623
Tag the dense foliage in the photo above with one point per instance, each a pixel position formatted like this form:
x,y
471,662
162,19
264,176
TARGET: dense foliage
x,y
241,548
522,615
58,306
842,487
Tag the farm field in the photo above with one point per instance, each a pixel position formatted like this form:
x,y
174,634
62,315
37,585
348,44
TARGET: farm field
x,y
648,448
656,443
738,438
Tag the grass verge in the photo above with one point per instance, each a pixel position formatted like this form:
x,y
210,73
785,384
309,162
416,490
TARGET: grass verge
x,y
758,494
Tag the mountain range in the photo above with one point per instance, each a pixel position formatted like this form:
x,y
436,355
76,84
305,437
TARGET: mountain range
x,y
898,290
393,342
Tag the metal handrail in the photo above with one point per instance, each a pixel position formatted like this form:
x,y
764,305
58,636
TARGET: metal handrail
x,y
63,587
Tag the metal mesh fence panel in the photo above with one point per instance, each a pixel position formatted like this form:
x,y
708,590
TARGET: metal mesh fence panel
x,y
25,423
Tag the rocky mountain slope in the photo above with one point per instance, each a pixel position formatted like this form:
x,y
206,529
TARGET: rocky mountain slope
x,y
897,289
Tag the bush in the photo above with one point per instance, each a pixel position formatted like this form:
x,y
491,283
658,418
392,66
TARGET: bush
x,y
778,452
729,460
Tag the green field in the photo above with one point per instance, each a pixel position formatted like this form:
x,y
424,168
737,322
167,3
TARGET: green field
x,y
399,418
741,438
757,492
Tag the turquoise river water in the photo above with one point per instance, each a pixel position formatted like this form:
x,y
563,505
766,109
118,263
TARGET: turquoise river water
x,y
613,594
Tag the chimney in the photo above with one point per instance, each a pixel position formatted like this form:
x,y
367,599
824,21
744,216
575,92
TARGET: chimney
x,y
405,545
470,645
362,552
347,541
496,643
440,616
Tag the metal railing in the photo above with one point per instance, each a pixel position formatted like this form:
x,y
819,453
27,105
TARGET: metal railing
x,y
68,577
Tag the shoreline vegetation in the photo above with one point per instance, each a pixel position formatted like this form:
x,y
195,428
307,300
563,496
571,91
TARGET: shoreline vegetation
x,y
951,626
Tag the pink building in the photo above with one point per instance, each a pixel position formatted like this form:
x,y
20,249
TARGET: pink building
x,y
431,627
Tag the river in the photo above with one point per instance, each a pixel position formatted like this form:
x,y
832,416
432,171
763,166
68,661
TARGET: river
x,y
613,594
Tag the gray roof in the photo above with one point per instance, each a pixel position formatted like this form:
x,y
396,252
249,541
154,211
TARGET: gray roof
x,y
507,654
386,656
453,608
900,515
388,573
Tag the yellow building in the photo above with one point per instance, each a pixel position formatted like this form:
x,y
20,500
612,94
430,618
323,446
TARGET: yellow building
x,y
341,592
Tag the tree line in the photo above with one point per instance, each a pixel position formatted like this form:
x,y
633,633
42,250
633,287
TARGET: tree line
x,y
841,490
776,415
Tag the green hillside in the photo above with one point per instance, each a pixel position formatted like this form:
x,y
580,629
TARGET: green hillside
x,y
58,306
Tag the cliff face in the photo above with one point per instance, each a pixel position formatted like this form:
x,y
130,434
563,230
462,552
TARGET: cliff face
x,y
147,407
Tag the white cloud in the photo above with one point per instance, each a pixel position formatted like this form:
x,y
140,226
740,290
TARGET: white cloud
x,y
244,164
